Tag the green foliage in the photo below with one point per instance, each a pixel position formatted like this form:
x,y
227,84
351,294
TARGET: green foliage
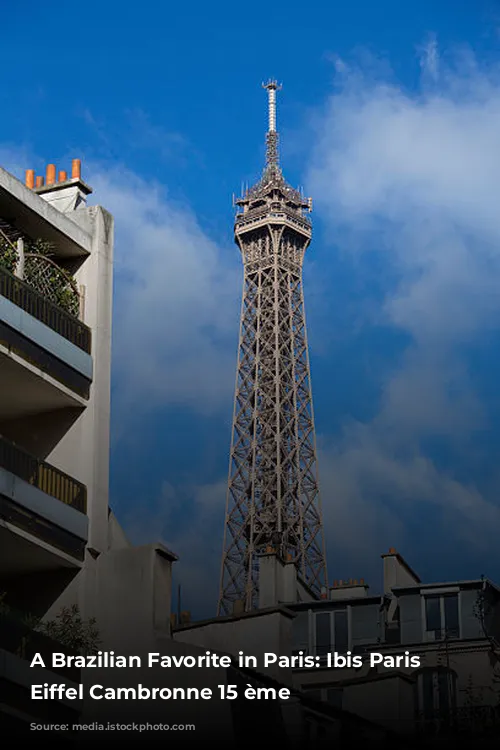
x,y
50,276
8,254
42,272
67,628
41,247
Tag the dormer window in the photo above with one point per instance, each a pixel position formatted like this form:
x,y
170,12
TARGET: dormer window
x,y
441,617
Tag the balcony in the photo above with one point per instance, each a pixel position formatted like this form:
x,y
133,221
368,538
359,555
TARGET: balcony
x,y
43,521
41,308
41,336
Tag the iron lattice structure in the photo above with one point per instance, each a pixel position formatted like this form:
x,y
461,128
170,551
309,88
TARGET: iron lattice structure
x,y
273,501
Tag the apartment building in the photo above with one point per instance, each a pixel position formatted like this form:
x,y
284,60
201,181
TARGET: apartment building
x,y
453,628
56,262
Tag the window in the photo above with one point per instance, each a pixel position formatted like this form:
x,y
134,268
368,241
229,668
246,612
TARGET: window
x,y
436,693
341,630
442,617
323,633
319,632
300,633
331,632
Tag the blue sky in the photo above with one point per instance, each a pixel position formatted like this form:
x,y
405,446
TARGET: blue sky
x,y
390,118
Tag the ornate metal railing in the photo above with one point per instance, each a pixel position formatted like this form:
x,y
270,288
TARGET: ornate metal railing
x,y
53,282
45,477
44,310
262,213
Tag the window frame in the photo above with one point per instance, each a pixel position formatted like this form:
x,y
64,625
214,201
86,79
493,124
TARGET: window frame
x,y
441,594
438,705
310,647
331,613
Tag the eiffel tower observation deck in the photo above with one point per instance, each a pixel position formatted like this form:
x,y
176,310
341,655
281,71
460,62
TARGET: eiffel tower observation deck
x,y
273,500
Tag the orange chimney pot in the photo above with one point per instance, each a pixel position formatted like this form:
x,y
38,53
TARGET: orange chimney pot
x,y
39,181
51,174
63,176
30,179
392,550
76,169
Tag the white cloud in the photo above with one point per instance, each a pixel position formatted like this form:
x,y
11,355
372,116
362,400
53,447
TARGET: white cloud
x,y
176,300
429,58
414,175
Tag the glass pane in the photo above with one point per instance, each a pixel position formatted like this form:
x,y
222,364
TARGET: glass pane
x,y
428,693
444,692
323,644
334,697
433,613
300,632
341,631
451,615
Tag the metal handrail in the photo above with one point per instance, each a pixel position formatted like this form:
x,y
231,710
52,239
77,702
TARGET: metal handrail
x,y
42,475
44,310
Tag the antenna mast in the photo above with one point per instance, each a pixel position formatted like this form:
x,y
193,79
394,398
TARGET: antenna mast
x,y
272,159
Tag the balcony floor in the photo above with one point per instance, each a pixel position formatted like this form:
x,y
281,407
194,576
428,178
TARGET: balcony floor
x,y
26,390
21,553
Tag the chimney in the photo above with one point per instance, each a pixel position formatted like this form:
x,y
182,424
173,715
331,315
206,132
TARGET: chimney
x,y
64,194
30,179
238,607
76,169
50,176
277,579
397,572
351,589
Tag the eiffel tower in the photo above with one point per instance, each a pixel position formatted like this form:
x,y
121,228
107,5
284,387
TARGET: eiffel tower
x,y
273,501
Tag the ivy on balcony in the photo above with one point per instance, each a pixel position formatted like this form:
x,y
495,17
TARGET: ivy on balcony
x,y
39,270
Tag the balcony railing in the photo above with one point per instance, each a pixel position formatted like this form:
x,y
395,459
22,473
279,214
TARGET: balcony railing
x,y
41,308
47,478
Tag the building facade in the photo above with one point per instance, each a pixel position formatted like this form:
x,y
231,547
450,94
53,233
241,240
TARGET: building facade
x,y
450,630
56,527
